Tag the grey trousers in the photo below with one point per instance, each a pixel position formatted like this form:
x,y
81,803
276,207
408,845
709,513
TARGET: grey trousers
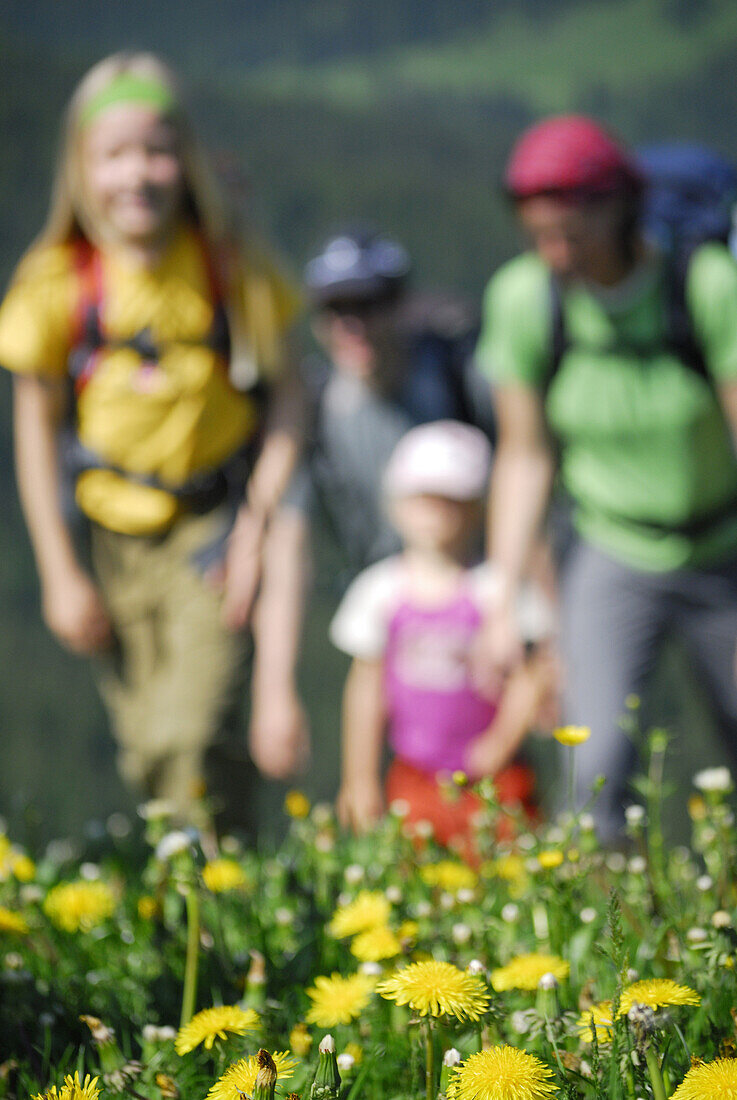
x,y
614,620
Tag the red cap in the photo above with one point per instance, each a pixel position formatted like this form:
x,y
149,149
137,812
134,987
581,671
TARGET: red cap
x,y
569,155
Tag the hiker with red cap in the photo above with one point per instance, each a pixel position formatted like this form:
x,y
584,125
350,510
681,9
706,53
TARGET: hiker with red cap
x,y
614,365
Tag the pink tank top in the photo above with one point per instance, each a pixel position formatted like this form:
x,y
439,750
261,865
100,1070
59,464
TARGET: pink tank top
x,y
433,710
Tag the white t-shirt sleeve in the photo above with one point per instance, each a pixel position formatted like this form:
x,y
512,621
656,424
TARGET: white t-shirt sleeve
x,y
359,626
535,613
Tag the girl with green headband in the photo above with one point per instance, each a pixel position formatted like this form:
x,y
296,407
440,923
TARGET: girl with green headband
x,y
142,337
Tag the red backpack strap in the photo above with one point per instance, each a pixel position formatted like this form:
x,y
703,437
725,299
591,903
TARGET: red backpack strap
x,y
87,334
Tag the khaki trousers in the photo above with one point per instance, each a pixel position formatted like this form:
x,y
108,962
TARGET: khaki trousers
x,y
175,675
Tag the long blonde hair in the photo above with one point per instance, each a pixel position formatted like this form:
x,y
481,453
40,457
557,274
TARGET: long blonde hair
x,y
69,214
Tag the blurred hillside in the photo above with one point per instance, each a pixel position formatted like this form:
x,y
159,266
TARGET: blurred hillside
x,y
400,112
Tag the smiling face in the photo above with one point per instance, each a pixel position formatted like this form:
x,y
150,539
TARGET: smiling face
x,y
132,174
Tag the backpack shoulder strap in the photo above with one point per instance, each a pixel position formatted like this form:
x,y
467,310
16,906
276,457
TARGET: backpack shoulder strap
x,y
678,322
87,331
559,342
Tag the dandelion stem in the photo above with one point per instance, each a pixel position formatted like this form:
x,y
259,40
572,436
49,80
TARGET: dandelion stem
x,y
189,992
656,1077
430,1062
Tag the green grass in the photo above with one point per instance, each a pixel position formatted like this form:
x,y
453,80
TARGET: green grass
x,y
548,63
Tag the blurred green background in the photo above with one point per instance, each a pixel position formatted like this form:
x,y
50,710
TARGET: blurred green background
x,y
398,112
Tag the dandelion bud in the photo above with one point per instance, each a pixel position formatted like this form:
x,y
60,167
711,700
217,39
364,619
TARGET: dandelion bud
x,y
345,1062
354,874
547,996
704,883
451,1059
263,1089
697,935
510,912
477,968
461,933
721,919
635,816
393,894
326,1085
713,780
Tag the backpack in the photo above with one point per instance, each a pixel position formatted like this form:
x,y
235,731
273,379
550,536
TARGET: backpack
x,y
689,198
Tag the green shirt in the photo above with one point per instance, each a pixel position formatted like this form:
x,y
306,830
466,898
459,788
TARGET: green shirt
x,y
644,447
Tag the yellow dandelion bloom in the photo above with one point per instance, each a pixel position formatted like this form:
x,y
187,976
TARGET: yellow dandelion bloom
x,y
710,1081
436,989
338,1000
241,1076
376,944
12,922
300,1040
602,1014
214,1023
550,859
368,910
656,993
407,932
696,807
220,875
79,906
502,1073
525,971
356,1052
450,875
508,868
72,1089
148,907
572,735
296,804
22,867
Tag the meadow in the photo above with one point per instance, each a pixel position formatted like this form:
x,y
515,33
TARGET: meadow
x,y
161,963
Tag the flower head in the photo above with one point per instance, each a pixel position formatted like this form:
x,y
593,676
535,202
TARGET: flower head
x,y
550,858
437,988
72,1089
338,1000
502,1073
710,1081
241,1076
602,1021
525,971
713,780
449,874
214,1023
375,944
75,906
296,804
656,993
220,875
368,910
12,922
572,735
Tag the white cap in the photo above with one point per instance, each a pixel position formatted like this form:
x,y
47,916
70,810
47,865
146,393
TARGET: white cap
x,y
444,458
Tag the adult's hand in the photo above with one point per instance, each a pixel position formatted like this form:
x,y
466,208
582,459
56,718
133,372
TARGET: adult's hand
x,y
74,611
496,652
279,735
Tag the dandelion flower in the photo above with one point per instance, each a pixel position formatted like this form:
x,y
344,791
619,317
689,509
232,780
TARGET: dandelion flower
x,y
241,1076
338,1000
300,1039
525,971
656,993
370,909
12,922
449,875
72,1089
437,988
602,1014
550,859
221,875
296,804
376,944
572,735
75,906
710,1081
502,1073
214,1023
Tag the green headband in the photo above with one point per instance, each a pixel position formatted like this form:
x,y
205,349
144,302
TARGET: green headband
x,y
129,88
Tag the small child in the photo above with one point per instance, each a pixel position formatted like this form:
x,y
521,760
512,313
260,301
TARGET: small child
x,y
409,622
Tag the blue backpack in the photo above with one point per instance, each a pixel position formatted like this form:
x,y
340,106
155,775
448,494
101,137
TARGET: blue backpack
x,y
690,194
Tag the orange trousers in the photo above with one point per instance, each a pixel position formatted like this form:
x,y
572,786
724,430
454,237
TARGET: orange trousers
x,y
452,819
